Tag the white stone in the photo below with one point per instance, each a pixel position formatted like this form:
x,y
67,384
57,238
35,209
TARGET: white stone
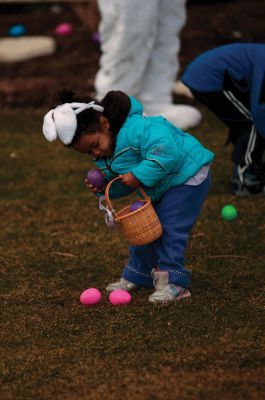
x,y
25,48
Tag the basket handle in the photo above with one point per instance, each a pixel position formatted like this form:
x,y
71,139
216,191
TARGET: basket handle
x,y
108,189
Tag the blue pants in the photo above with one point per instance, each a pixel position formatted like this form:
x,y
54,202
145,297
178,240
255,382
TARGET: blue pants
x,y
178,211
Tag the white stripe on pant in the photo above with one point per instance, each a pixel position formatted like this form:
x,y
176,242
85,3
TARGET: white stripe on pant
x,y
253,135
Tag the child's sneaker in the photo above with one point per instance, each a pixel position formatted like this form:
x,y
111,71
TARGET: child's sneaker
x,y
170,292
122,284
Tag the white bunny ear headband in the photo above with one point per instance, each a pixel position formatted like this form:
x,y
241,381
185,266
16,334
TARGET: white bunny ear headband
x,y
61,122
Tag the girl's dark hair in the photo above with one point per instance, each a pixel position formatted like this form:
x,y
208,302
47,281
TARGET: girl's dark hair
x,y
116,109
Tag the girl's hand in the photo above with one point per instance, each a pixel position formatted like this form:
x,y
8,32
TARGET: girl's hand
x,y
130,180
93,188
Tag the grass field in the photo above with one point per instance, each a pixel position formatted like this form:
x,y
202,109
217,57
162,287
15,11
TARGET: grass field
x,y
54,244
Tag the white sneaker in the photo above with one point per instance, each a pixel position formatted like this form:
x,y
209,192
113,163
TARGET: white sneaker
x,y
182,116
122,284
170,292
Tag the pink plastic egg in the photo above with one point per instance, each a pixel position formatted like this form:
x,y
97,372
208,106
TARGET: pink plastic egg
x,y
64,29
135,206
120,297
95,178
90,296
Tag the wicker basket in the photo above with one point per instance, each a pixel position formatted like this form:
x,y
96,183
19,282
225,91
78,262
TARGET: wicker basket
x,y
139,227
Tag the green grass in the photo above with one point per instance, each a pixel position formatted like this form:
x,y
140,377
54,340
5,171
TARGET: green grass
x,y
54,244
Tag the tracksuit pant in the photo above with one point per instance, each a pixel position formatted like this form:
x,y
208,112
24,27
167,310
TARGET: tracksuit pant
x,y
232,106
178,211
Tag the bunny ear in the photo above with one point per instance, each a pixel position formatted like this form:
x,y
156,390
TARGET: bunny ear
x,y
62,121
65,122
48,128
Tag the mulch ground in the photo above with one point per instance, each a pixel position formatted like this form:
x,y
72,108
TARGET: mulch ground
x,y
75,63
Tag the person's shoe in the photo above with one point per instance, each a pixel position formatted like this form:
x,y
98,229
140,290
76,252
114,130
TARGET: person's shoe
x,y
165,291
239,189
252,180
122,284
182,116
169,293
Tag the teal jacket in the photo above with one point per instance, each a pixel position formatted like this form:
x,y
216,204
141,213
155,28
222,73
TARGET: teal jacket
x,y
157,153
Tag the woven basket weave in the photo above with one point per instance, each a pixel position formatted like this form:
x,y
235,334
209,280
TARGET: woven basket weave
x,y
139,227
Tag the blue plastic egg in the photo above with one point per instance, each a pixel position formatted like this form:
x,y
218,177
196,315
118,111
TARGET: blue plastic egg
x,y
17,30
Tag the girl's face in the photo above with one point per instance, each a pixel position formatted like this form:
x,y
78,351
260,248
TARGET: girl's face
x,y
99,144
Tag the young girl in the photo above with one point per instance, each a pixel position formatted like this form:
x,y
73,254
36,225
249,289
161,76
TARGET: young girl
x,y
171,166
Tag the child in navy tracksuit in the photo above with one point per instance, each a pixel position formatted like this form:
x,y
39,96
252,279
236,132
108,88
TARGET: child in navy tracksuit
x,y
171,165
230,80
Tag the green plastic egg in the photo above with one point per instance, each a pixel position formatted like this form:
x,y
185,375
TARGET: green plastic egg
x,y
229,212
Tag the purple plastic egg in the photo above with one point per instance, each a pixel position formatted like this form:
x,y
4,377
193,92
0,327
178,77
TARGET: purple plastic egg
x,y
96,37
95,178
135,206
